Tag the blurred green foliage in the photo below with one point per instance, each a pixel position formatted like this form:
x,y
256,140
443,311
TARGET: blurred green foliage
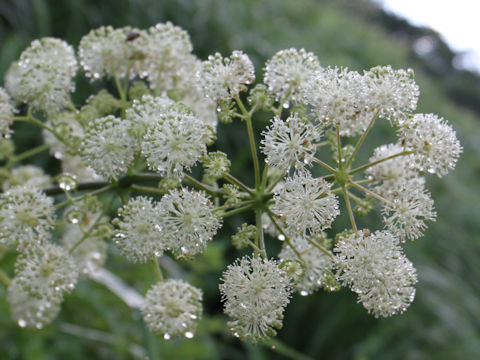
x,y
444,320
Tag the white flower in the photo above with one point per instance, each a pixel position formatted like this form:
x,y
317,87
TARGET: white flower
x,y
7,112
46,271
26,216
74,165
140,235
255,292
145,113
110,52
290,143
287,74
28,175
175,141
45,75
411,205
31,311
394,93
375,268
223,78
172,308
434,141
338,98
166,52
188,221
315,262
108,147
391,173
306,204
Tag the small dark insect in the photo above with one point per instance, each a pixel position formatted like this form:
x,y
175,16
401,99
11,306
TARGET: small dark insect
x,y
132,36
403,141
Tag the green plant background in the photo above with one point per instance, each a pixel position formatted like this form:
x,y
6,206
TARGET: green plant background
x,y
444,320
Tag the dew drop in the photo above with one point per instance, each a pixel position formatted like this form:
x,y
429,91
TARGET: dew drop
x,y
166,336
39,326
303,293
22,323
189,335
281,237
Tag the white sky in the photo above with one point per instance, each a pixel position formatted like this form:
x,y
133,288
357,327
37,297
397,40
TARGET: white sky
x,y
458,21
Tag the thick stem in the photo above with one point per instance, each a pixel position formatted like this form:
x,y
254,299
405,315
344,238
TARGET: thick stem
x,y
260,241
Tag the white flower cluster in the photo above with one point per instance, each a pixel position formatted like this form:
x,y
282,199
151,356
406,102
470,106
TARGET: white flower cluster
x,y
314,263
173,308
6,114
223,78
182,221
306,204
26,217
44,75
255,292
375,268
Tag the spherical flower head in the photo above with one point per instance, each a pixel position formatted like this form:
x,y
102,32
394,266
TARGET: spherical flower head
x,y
146,112
45,75
172,308
7,112
140,234
255,292
223,78
175,142
30,311
337,96
108,147
46,271
314,261
29,176
90,255
306,204
288,143
65,124
375,268
409,207
287,74
388,174
110,52
26,216
188,221
393,93
435,143
166,52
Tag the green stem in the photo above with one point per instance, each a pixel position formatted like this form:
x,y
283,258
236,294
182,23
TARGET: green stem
x,y
371,193
236,211
339,148
362,139
287,238
157,271
27,154
349,209
325,165
373,163
147,189
260,240
4,278
78,198
233,180
264,177
32,120
251,138
119,86
319,247
202,186
87,233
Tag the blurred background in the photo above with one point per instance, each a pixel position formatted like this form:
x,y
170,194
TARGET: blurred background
x,y
444,320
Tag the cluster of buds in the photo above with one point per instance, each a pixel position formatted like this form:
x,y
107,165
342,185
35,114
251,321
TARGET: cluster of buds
x,y
133,150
